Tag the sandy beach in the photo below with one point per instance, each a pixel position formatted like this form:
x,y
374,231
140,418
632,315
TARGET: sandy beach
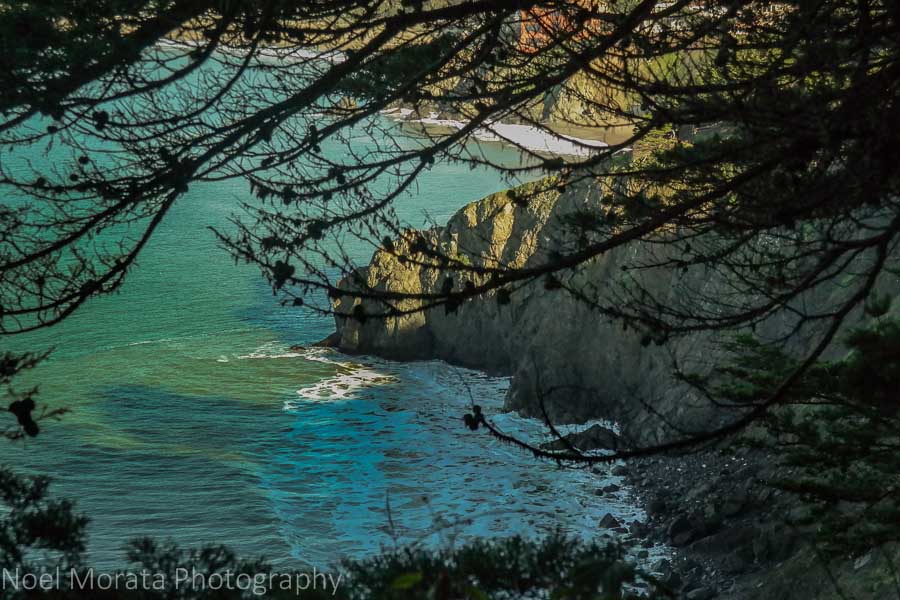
x,y
528,137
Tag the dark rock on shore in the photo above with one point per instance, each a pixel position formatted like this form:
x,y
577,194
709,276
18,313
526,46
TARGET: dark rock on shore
x,y
609,522
595,437
681,531
729,528
331,341
702,593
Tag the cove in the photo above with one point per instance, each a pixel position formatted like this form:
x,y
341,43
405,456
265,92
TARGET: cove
x,y
193,419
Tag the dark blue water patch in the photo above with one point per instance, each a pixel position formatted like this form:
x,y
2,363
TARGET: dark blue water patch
x,y
190,470
159,416
290,325
383,460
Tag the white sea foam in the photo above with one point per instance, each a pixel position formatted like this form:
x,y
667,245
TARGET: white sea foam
x,y
342,386
566,429
273,350
350,379
145,342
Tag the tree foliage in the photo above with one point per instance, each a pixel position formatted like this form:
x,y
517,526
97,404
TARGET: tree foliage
x,y
836,437
785,201
35,529
557,566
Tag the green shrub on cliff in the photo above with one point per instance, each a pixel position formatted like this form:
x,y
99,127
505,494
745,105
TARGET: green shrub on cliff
x,y
36,529
836,436
556,567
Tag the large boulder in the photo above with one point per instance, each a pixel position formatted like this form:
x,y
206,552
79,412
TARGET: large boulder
x,y
596,437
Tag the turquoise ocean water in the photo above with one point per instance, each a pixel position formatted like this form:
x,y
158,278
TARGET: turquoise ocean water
x,y
193,419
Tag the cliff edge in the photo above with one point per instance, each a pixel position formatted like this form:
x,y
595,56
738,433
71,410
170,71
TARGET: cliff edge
x,y
557,348
732,530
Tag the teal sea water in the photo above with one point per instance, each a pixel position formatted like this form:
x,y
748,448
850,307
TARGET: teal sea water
x,y
192,419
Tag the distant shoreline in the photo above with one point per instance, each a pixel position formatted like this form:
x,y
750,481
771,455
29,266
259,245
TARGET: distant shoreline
x,y
527,137
286,54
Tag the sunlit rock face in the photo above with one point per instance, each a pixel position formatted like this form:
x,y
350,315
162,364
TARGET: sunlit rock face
x,y
560,351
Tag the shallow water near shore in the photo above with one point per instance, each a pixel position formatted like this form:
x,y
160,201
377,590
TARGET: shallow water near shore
x,y
195,418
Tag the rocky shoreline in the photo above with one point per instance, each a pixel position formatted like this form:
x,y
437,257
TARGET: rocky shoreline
x,y
701,506
711,508
736,536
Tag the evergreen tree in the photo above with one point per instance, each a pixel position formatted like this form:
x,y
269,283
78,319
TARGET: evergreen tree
x,y
835,436
785,199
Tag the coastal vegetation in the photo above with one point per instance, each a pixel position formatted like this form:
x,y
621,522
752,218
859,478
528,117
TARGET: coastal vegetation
x,y
731,245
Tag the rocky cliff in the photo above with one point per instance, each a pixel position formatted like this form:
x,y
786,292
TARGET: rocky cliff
x,y
718,509
558,349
